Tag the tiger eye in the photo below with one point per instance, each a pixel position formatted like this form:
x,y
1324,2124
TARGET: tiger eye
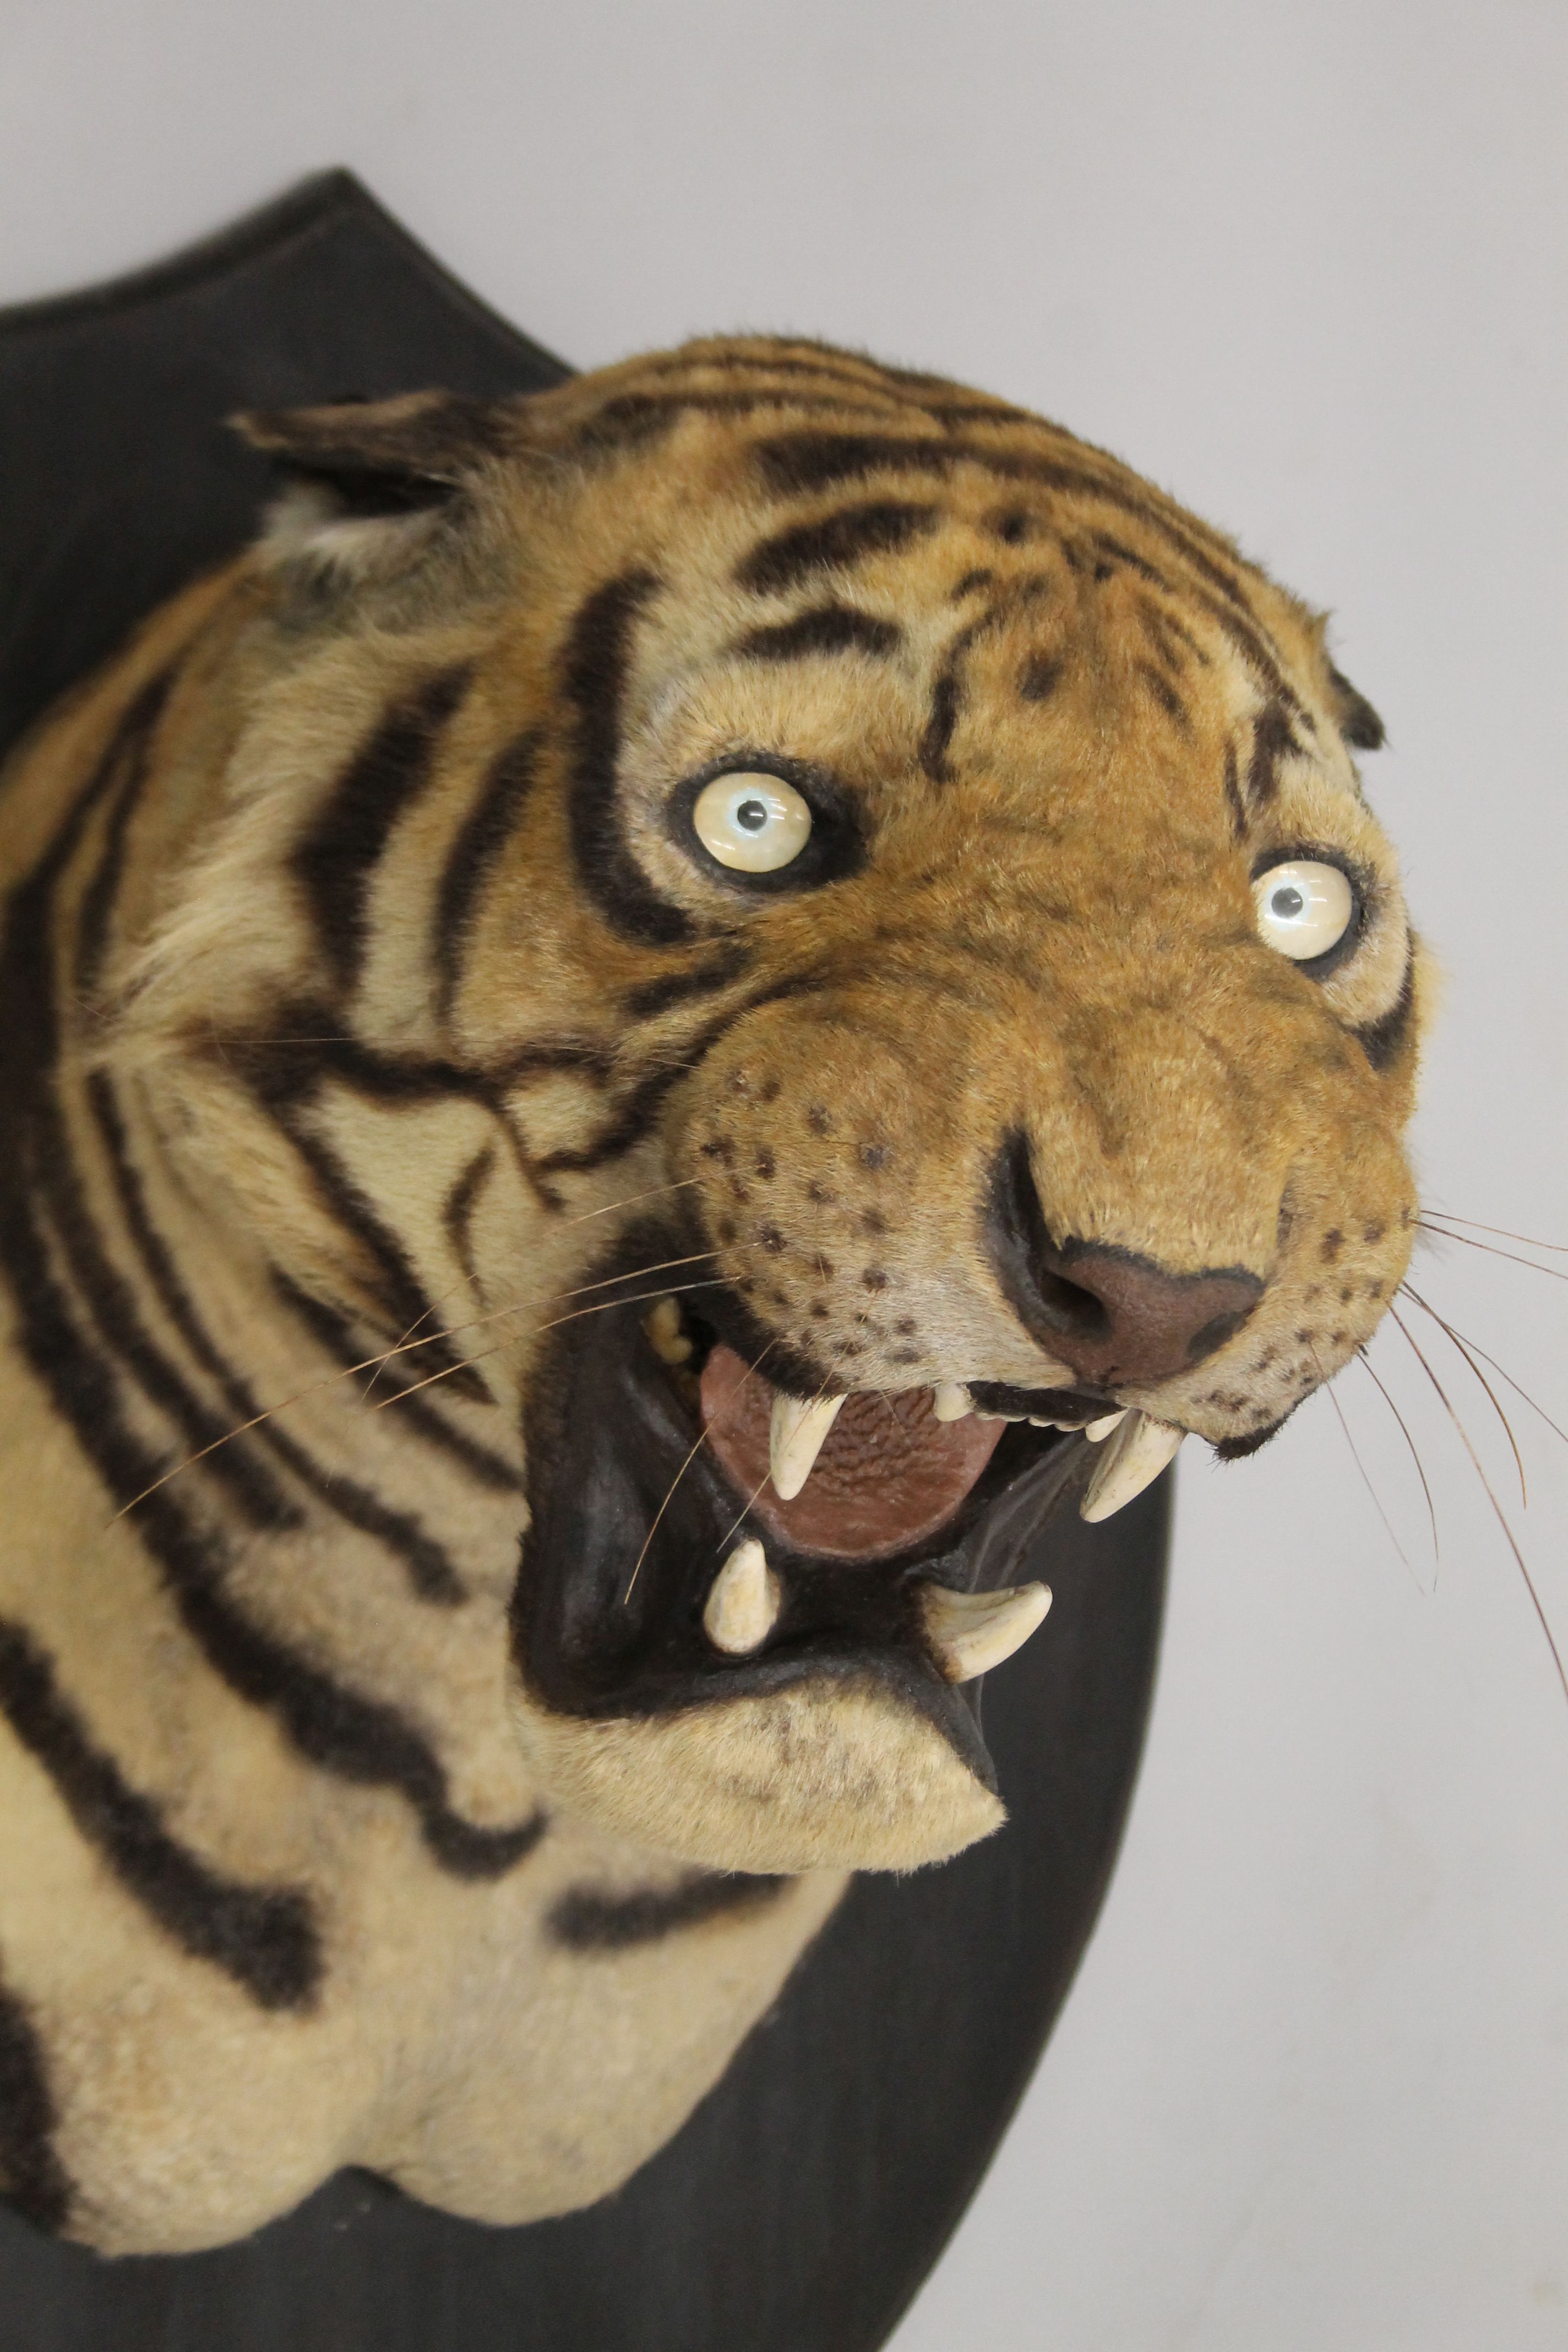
x,y
750,820
1304,907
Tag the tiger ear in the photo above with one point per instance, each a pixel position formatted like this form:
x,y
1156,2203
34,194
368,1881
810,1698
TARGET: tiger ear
x,y
364,478
1359,722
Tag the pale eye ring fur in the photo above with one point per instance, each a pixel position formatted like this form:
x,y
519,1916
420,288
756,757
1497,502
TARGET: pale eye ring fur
x,y
750,820
1305,906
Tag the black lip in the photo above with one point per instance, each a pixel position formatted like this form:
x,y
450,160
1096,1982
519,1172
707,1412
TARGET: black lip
x,y
607,1620
1077,1405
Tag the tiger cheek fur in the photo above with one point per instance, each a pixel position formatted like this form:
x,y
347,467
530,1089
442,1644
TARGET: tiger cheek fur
x,y
425,1137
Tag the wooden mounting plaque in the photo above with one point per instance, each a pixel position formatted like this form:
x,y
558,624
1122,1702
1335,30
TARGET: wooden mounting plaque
x,y
807,2198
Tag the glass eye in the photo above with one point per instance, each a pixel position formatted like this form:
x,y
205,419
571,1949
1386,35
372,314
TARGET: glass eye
x,y
1304,908
751,821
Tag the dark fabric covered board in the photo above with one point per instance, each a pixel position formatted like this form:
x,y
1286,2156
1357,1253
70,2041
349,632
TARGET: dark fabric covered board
x,y
805,2201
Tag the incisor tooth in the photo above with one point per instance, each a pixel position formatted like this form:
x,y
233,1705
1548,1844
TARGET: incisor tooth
x,y
794,1439
1095,1431
973,1631
743,1605
951,1401
1133,1459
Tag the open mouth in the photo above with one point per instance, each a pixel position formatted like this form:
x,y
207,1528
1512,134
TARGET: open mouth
x,y
697,1532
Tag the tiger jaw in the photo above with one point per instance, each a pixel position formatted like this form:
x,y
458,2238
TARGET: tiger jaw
x,y
796,1667
802,1693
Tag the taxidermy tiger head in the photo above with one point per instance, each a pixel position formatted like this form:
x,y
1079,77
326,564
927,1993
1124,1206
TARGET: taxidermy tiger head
x,y
856,937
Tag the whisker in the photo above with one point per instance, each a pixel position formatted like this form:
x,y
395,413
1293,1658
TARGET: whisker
x,y
675,1482
1476,1349
1497,1508
520,1307
1559,1248
599,1306
1367,1365
368,1363
1365,1479
1464,1351
1467,1241
370,1384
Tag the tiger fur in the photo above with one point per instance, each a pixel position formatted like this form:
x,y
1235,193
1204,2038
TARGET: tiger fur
x,y
367,990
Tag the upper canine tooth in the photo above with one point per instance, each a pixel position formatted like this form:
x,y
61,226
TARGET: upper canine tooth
x,y
662,1324
1135,1457
973,1631
1096,1430
794,1439
951,1401
742,1608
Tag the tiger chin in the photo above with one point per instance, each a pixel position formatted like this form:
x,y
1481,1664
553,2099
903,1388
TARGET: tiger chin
x,y
679,1008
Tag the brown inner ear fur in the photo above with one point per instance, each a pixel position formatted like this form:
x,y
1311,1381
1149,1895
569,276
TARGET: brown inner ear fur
x,y
376,981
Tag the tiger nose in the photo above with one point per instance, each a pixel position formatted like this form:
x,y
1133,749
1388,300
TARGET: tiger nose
x,y
1115,1320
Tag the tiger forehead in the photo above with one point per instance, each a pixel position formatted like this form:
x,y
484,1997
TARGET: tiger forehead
x,y
814,502
782,422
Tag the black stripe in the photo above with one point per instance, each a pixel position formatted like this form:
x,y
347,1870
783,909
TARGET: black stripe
x,y
1164,694
41,1154
1170,638
483,832
1119,553
284,1067
1233,792
651,997
356,1738
1271,740
32,2177
266,1940
133,764
398,1290
1381,1040
632,420
946,701
832,367
457,1210
792,463
588,1920
633,1117
335,1334
598,652
336,857
1039,677
431,1573
951,412
825,629
848,536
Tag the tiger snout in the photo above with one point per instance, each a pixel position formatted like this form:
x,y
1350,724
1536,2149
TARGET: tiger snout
x,y
891,1202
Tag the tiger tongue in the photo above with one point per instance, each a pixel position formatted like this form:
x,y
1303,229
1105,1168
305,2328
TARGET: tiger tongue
x,y
888,1473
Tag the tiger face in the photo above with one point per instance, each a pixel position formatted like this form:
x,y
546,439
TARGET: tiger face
x,y
933,1016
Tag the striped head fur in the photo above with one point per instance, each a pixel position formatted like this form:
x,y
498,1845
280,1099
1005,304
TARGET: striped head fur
x,y
817,942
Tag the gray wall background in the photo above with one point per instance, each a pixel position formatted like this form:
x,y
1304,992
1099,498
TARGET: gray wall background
x,y
1305,267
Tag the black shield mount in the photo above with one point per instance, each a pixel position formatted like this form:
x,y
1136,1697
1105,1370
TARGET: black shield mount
x,y
807,2198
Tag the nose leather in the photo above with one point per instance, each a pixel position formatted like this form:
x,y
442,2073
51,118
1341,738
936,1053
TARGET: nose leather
x,y
1116,1319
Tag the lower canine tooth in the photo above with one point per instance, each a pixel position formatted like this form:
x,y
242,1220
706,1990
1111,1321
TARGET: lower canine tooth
x,y
1134,1460
794,1440
951,1401
973,1631
744,1606
1095,1431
